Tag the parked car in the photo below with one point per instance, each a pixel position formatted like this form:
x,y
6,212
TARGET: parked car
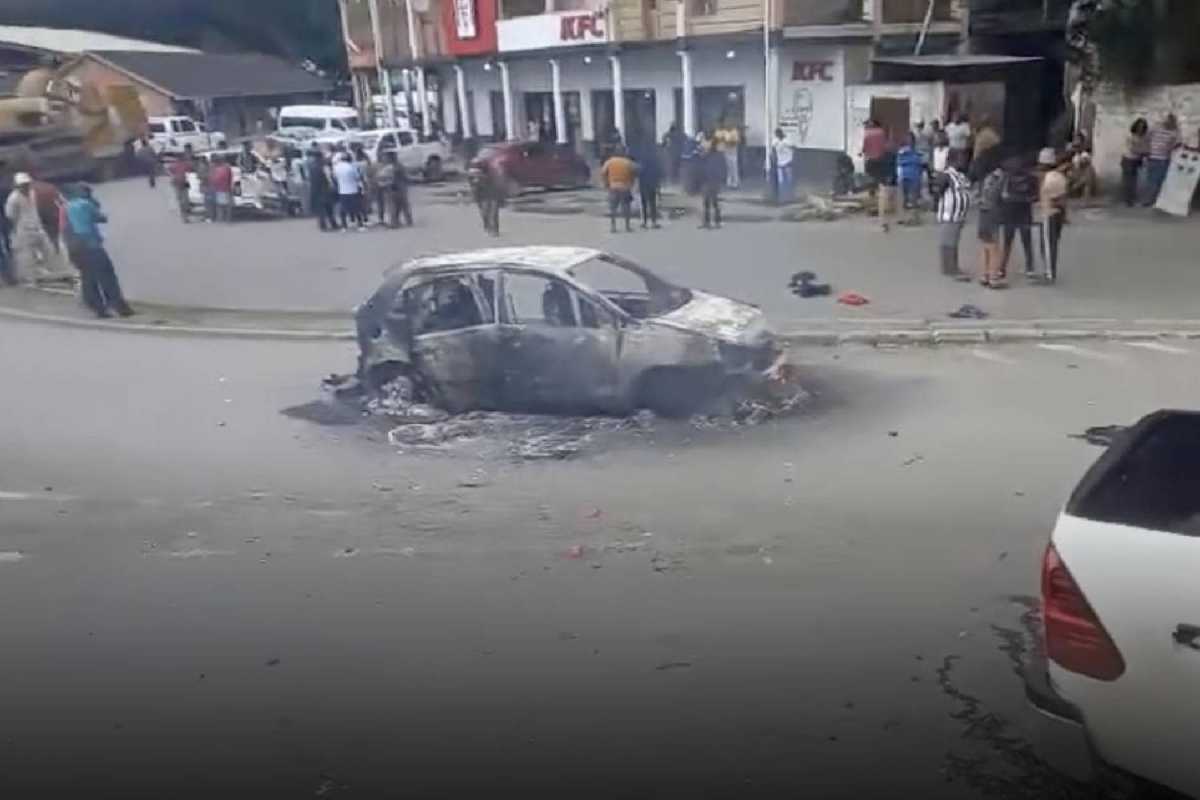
x,y
1117,687
170,135
536,164
322,124
255,193
560,329
430,160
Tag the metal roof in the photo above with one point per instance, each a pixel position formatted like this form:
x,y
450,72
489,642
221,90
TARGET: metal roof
x,y
71,40
952,60
206,75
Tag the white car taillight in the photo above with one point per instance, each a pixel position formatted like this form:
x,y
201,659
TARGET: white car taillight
x,y
1075,638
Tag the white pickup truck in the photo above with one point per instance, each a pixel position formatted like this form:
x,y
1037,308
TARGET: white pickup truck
x,y
429,160
170,135
1118,687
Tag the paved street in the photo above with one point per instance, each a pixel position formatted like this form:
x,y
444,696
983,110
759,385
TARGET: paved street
x,y
1117,264
206,597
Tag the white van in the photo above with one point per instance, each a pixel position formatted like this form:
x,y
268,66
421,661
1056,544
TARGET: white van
x,y
321,123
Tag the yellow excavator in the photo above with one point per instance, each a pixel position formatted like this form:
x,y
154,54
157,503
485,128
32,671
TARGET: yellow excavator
x,y
60,129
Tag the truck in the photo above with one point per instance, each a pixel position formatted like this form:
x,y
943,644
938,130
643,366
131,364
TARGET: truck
x,y
429,160
60,129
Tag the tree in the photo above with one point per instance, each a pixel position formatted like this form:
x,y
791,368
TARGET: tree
x,y
1134,42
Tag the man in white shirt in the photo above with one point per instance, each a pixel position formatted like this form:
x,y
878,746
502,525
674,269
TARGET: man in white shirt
x,y
349,181
958,133
783,153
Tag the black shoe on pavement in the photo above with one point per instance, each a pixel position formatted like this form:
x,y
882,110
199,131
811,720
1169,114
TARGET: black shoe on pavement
x,y
126,311
104,313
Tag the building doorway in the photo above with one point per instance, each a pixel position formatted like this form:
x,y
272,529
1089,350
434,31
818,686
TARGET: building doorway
x,y
640,107
715,106
499,130
539,110
892,113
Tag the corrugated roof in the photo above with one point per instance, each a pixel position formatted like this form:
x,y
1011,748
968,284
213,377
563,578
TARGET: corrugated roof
x,y
71,40
953,60
206,75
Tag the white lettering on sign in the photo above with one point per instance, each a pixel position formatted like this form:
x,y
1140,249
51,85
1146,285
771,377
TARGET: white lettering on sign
x,y
464,19
564,29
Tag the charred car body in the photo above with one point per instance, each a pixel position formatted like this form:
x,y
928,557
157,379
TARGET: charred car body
x,y
558,329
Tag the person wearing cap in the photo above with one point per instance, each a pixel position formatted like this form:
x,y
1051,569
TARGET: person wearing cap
x,y
32,249
101,289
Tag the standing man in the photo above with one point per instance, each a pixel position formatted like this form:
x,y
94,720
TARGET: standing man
x,y
1054,210
958,133
618,174
488,188
782,154
649,176
320,189
1016,211
953,192
370,192
348,179
392,181
31,246
923,140
714,173
101,289
148,159
910,166
673,142
220,178
204,175
989,229
1164,139
178,171
874,152
246,161
728,140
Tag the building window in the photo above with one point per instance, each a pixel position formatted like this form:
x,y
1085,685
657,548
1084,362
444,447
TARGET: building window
x,y
522,8
702,8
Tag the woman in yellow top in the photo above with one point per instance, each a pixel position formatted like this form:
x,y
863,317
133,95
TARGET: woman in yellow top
x,y
727,139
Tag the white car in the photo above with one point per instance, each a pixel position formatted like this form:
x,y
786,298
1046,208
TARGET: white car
x,y
1118,688
170,135
430,160
257,192
321,124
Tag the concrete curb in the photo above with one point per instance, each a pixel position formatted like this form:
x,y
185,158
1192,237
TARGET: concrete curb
x,y
833,333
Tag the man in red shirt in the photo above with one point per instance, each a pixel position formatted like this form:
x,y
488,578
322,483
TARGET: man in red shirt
x,y
178,170
220,180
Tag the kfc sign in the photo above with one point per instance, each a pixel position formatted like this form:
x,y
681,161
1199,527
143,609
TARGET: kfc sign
x,y
576,27
543,31
464,19
812,71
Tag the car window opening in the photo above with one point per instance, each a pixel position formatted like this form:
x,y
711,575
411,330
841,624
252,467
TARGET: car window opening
x,y
634,291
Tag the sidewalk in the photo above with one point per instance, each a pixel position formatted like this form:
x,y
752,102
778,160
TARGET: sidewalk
x,y
1120,269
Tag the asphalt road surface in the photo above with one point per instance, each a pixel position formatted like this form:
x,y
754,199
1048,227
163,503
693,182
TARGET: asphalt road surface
x,y
205,597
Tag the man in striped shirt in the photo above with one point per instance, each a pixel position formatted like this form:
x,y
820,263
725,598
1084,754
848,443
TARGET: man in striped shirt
x,y
954,201
1164,139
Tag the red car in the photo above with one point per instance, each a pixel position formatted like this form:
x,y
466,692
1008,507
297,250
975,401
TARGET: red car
x,y
536,164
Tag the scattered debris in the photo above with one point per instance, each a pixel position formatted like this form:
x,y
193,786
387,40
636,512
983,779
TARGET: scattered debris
x,y
968,311
273,662
893,434
852,299
670,665
575,551
1100,435
916,458
802,285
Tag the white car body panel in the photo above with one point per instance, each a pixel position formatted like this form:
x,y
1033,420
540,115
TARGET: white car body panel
x,y
413,155
1141,584
175,136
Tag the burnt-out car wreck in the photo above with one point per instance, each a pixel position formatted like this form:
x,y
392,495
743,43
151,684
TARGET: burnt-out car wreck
x,y
560,329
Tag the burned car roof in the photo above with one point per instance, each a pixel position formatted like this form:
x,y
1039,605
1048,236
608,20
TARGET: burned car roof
x,y
555,259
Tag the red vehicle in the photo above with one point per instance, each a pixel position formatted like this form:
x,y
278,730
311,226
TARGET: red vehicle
x,y
536,164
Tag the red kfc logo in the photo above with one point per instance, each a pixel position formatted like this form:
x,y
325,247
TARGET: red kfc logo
x,y
812,70
582,26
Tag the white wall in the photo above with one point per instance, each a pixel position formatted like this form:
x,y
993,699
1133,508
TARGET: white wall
x,y
1116,110
811,107
926,102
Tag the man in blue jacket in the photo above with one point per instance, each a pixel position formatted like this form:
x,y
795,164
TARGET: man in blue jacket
x,y
101,289
910,166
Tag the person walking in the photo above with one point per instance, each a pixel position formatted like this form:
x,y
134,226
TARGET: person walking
x,y
32,248
100,287
989,229
320,189
487,186
874,149
728,140
148,159
178,170
649,177
297,183
1053,201
1163,141
348,179
618,174
673,142
923,141
910,166
714,175
782,155
220,179
1137,150
953,192
1019,193
958,134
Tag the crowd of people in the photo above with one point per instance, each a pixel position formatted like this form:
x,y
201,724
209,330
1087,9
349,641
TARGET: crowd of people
x,y
51,234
